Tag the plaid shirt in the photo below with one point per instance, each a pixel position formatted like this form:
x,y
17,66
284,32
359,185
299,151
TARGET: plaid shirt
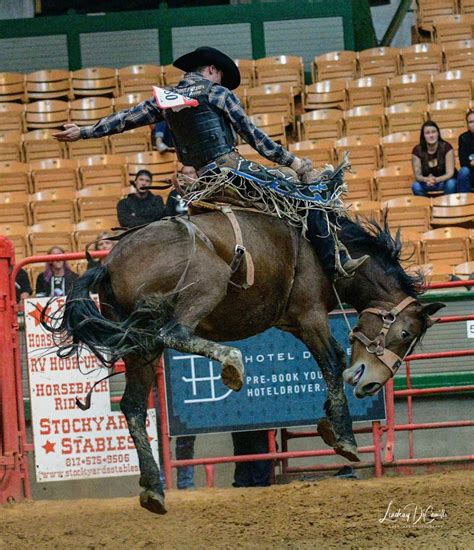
x,y
148,112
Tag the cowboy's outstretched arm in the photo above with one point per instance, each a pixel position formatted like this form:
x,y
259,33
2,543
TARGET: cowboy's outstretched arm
x,y
255,137
142,114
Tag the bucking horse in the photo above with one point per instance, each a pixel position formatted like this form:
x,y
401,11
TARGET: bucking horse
x,y
174,284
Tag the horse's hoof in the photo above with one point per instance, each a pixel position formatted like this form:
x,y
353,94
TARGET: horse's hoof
x,y
343,448
153,502
233,371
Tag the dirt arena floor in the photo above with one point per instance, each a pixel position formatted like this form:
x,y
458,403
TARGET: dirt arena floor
x,y
330,513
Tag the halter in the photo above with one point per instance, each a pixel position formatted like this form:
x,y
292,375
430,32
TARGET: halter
x,y
377,346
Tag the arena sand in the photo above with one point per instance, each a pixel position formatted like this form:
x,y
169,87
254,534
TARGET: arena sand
x,y
331,513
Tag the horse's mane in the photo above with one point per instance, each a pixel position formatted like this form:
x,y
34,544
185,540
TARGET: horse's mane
x,y
369,237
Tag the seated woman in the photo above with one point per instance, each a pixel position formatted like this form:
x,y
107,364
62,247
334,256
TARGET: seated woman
x,y
57,278
102,242
433,163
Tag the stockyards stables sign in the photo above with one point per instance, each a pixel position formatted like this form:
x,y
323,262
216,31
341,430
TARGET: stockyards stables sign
x,y
283,387
70,443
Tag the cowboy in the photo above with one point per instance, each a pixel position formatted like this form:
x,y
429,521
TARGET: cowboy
x,y
204,138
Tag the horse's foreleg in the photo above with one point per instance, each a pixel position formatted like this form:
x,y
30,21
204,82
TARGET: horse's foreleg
x,y
140,375
336,430
180,339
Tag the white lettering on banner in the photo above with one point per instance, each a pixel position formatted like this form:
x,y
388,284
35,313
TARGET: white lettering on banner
x,y
270,391
470,329
70,443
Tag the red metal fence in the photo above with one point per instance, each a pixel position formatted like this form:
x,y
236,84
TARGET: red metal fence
x,y
14,478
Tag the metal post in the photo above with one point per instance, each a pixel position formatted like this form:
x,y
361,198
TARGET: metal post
x,y
165,432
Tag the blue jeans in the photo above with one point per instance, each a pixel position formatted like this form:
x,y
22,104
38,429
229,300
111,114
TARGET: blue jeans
x,y
421,189
258,472
184,451
465,180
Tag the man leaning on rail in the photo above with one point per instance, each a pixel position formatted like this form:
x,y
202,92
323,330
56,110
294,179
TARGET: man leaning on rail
x,y
202,130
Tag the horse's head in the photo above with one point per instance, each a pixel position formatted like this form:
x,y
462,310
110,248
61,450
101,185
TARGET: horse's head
x,y
383,336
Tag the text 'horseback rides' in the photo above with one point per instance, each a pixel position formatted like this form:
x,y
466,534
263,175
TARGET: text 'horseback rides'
x,y
260,248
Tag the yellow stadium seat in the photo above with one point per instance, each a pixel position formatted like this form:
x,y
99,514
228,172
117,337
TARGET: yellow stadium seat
x,y
409,212
48,113
272,99
454,209
452,85
40,144
162,165
428,10
12,87
170,75
321,124
273,124
449,113
48,174
14,176
94,81
139,79
95,202
320,152
49,84
326,94
422,58
379,62
87,231
459,55
130,100
365,208
364,151
393,181
340,64
446,244
281,69
18,235
360,184
13,208
397,148
11,146
452,28
248,152
45,235
368,120
53,205
87,111
368,90
12,117
405,117
131,141
103,170
411,87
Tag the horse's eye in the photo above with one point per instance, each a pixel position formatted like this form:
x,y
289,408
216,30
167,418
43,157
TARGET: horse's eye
x,y
405,334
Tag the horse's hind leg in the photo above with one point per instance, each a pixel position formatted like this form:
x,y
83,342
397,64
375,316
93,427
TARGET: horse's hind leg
x,y
140,375
180,339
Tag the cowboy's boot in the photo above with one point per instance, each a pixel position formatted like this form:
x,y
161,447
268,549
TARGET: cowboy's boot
x,y
348,268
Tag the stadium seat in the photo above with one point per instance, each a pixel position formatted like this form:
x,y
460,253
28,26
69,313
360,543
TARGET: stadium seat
x,y
48,113
360,184
452,85
18,235
43,236
13,208
53,205
446,244
452,137
368,120
364,208
49,174
322,124
131,141
162,165
409,212
49,84
130,100
411,87
87,231
96,202
405,117
12,117
459,55
272,124
436,272
411,252
449,113
321,152
370,90
326,94
452,28
281,69
11,146
428,10
393,181
397,148
84,148
12,87
341,64
466,6
170,75
40,144
379,62
272,99
14,176
422,58
139,79
464,270
103,170
453,209
364,151
87,111
95,81
247,72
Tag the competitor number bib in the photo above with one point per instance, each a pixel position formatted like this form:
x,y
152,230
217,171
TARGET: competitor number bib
x,y
169,99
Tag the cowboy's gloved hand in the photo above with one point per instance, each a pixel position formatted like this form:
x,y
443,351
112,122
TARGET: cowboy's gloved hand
x,y
304,169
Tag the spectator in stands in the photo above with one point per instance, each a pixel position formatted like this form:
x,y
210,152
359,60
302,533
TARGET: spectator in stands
x,y
57,278
175,205
141,207
433,163
256,473
102,242
466,156
22,286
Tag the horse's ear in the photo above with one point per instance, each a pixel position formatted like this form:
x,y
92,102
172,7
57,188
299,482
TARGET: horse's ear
x,y
431,309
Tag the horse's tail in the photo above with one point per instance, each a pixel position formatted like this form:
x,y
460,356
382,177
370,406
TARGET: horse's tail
x,y
80,323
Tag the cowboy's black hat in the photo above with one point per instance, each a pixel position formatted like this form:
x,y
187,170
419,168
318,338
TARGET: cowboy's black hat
x,y
204,56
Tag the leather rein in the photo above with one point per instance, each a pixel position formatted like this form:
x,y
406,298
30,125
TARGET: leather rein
x,y
377,346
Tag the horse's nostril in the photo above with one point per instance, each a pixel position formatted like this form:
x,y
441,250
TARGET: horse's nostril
x,y
371,388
